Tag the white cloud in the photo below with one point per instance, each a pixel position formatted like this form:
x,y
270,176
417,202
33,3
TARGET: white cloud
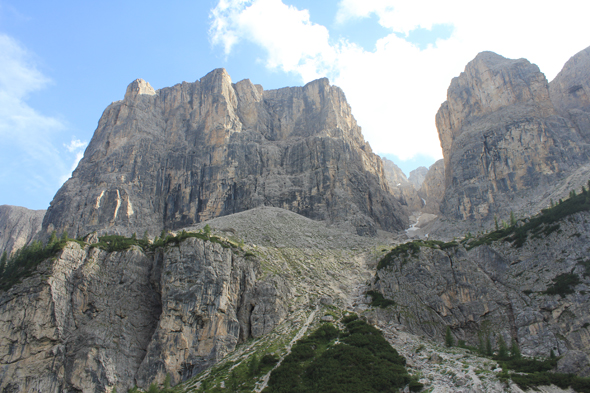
x,y
29,154
396,90
75,144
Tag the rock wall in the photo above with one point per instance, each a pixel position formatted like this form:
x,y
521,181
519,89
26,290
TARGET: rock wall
x,y
570,92
417,176
403,190
188,153
502,138
92,320
498,289
432,189
18,226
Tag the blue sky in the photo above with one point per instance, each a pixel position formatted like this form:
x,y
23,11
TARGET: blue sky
x,y
62,63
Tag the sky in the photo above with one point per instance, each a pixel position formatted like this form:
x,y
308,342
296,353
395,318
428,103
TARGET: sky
x,y
62,63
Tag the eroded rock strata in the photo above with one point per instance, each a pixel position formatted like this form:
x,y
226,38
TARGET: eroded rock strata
x,y
502,138
188,153
18,227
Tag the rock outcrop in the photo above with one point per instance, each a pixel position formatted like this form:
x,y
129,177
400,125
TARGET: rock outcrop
x,y
570,92
502,138
417,176
432,189
91,320
188,153
399,185
18,226
537,294
116,319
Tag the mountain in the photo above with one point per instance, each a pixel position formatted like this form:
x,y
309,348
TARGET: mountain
x,y
18,226
399,185
503,139
417,176
185,154
214,238
432,189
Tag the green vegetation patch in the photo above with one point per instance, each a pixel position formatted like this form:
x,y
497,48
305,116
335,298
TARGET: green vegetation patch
x,y
24,262
545,223
411,249
563,284
377,300
360,361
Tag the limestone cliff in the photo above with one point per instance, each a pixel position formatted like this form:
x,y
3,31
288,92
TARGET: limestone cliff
x,y
92,320
498,288
399,185
570,92
18,226
417,176
188,153
502,138
432,189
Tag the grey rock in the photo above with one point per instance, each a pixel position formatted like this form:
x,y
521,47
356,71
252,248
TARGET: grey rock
x,y
181,155
417,176
403,190
574,362
502,138
496,288
432,189
18,227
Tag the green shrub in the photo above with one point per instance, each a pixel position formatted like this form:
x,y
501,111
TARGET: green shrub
x,y
362,362
377,300
563,284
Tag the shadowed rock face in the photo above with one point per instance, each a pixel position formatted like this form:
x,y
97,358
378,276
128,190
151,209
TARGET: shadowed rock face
x,y
570,92
18,226
399,185
501,137
195,151
433,187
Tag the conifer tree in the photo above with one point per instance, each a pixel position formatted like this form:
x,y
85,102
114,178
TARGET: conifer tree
x,y
449,340
514,350
502,349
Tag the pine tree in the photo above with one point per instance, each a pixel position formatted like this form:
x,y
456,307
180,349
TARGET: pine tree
x,y
449,340
512,218
3,263
489,349
52,239
502,349
514,350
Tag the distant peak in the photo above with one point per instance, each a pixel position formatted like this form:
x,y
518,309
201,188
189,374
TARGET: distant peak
x,y
139,86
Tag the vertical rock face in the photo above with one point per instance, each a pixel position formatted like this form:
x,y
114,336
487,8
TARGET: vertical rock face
x,y
433,187
403,190
194,151
570,92
499,289
417,176
501,137
92,320
18,226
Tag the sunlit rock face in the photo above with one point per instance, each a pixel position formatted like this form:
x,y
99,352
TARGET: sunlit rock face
x,y
184,154
18,227
502,137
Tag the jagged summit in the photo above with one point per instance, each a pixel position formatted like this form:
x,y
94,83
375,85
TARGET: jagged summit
x,y
502,137
184,154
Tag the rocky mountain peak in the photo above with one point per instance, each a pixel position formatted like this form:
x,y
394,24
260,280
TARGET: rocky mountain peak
x,y
571,87
500,135
137,87
195,151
